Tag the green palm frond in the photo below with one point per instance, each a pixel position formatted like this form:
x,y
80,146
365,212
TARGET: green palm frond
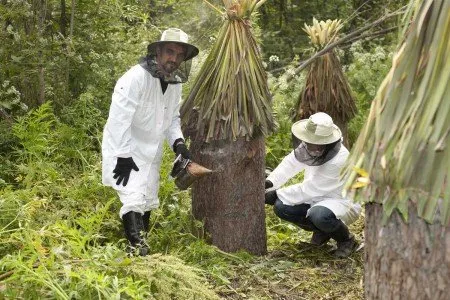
x,y
404,145
230,97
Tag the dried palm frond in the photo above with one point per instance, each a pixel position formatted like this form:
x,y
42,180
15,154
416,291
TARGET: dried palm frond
x,y
403,151
230,97
326,88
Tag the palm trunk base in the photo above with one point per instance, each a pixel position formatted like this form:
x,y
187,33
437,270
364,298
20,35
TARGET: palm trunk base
x,y
405,261
230,201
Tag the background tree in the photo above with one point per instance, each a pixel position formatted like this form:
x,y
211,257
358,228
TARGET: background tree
x,y
281,19
403,159
226,115
326,88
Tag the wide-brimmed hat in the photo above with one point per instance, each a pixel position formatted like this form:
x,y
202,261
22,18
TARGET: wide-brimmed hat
x,y
319,129
174,35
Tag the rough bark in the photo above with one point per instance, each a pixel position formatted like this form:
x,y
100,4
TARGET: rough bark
x,y
230,201
405,261
344,129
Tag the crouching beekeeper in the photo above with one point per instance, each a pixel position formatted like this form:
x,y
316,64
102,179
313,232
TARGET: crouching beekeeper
x,y
143,113
316,204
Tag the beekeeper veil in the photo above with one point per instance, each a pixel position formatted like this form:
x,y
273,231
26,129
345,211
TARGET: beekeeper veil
x,y
319,129
162,61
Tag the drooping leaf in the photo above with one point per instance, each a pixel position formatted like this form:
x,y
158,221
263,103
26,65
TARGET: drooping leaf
x,y
406,137
230,98
326,88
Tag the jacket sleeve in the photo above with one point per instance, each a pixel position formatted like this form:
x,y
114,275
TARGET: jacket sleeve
x,y
288,168
325,182
125,99
174,131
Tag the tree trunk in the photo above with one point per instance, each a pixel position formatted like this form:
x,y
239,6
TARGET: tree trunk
x,y
72,19
230,201
344,129
63,20
41,97
405,261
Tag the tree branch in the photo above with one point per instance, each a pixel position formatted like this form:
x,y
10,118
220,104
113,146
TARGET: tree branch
x,y
355,35
10,273
213,7
369,35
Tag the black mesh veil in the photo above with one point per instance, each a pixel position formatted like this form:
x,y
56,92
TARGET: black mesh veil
x,y
180,75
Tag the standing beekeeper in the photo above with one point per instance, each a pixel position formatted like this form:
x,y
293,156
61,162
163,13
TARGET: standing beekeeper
x,y
144,112
316,204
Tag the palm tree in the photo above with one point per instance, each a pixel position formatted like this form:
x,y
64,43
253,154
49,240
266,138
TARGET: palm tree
x,y
400,165
326,88
226,116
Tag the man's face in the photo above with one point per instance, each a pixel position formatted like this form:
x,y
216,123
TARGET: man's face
x,y
169,56
314,150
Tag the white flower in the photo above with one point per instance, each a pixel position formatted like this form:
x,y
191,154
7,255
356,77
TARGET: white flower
x,y
274,58
291,72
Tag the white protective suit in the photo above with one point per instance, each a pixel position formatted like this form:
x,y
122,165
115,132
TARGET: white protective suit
x,y
321,185
140,118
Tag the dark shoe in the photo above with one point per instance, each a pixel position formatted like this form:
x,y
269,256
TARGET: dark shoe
x,y
133,226
146,220
345,248
319,238
346,242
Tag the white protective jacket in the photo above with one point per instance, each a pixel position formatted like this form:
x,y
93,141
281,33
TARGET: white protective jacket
x,y
140,118
321,185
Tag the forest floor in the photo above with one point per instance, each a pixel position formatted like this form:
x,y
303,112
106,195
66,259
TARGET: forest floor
x,y
83,235
295,269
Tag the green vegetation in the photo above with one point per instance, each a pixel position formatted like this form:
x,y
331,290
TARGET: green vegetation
x,y
408,126
60,234
232,79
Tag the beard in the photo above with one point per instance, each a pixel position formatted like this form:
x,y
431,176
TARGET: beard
x,y
170,67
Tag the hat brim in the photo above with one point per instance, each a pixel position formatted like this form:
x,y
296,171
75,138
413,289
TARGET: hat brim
x,y
191,50
300,132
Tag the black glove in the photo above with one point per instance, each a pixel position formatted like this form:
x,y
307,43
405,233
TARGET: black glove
x,y
268,184
123,169
271,197
179,147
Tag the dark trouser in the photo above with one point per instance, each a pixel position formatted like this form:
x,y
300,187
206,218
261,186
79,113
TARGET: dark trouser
x,y
319,218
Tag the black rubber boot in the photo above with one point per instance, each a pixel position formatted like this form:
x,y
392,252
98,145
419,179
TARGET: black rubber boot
x,y
146,221
346,242
319,238
133,226
305,224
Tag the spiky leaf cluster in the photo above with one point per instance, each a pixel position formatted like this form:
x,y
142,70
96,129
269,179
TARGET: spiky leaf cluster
x,y
326,88
230,98
403,151
324,32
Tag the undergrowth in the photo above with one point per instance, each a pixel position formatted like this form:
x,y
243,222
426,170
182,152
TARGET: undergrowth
x,y
61,236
